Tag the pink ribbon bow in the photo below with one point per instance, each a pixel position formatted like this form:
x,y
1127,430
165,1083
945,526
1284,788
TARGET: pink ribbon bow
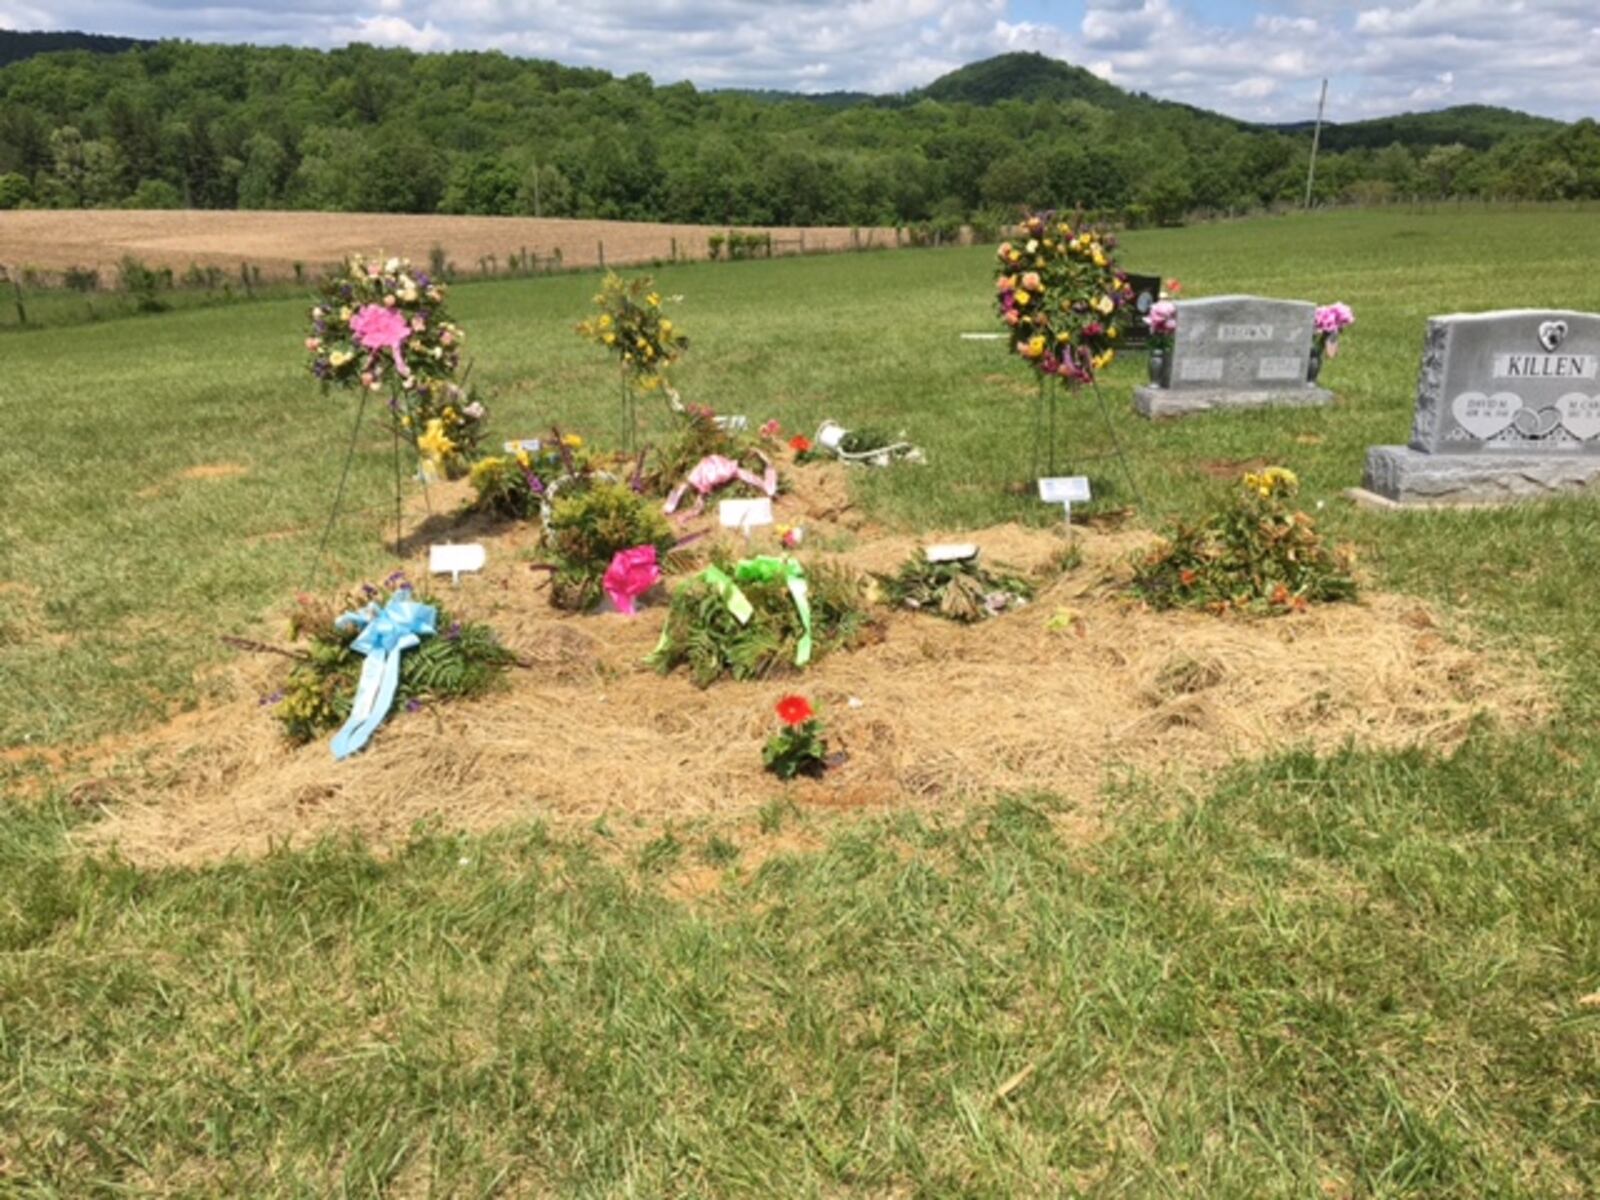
x,y
378,328
715,471
631,574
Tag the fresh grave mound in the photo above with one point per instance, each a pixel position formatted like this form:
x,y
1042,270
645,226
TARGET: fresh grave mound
x,y
1056,696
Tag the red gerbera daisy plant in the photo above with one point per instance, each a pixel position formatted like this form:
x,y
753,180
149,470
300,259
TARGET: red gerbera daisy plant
x,y
799,748
793,710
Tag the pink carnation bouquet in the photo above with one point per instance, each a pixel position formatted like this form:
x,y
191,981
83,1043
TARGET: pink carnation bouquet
x,y
1329,321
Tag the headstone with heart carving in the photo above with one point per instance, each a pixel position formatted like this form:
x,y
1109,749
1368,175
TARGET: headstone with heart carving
x,y
1508,406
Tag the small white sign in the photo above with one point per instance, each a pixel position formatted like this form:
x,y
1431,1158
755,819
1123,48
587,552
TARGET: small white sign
x,y
531,445
452,560
982,337
951,552
732,424
1065,489
745,515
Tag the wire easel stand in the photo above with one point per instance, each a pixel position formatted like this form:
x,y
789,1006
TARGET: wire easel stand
x,y
397,405
1116,445
1044,423
338,495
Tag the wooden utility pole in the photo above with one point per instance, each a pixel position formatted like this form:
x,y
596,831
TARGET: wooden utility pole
x,y
1316,140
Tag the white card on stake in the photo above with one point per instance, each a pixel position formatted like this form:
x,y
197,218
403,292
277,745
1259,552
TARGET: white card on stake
x,y
452,560
531,445
745,514
733,424
1065,489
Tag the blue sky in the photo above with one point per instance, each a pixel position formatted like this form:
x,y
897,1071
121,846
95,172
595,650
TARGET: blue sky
x,y
1257,59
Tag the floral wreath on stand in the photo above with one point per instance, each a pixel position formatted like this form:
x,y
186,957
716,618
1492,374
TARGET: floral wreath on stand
x,y
1060,294
383,324
632,326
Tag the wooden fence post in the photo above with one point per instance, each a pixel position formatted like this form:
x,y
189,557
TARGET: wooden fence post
x,y
16,288
602,248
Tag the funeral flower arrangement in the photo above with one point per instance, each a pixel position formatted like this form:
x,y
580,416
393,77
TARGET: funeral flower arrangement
x,y
758,616
632,326
454,659
378,325
1257,553
1060,294
588,529
521,482
961,590
704,456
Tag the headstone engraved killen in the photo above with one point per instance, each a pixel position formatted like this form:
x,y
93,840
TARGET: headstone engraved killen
x,y
1236,352
1508,407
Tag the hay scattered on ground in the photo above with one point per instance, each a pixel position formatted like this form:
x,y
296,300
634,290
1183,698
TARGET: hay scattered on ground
x,y
1062,696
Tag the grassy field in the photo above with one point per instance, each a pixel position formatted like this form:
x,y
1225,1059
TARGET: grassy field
x,y
1353,976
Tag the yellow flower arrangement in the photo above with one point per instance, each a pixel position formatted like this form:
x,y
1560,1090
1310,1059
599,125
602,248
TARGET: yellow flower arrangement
x,y
1062,313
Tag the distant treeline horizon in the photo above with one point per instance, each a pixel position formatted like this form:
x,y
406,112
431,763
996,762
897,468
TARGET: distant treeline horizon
x,y
180,125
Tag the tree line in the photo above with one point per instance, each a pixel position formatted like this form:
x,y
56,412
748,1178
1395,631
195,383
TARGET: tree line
x,y
175,124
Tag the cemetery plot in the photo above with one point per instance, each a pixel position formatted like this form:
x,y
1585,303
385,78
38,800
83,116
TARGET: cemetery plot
x,y
1049,696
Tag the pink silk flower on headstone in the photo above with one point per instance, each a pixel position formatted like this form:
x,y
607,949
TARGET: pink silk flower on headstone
x,y
631,574
379,328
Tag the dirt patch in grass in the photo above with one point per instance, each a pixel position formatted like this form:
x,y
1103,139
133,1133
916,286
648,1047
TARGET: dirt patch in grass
x,y
200,473
1063,696
1231,469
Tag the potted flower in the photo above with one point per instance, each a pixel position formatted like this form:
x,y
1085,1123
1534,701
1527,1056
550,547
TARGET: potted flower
x,y
799,748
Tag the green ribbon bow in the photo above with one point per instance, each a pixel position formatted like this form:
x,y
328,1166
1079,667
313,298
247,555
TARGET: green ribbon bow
x,y
761,569
765,568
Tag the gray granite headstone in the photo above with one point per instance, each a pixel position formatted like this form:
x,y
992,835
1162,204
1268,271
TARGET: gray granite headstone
x,y
1236,352
1508,406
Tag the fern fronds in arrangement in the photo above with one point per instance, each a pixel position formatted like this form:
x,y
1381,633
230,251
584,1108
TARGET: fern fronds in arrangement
x,y
463,659
704,635
960,591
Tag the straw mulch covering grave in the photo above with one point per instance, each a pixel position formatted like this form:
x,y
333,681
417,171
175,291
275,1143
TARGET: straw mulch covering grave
x,y
1078,688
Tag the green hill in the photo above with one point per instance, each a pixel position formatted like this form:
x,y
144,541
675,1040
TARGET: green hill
x,y
1023,76
16,46
1479,126
365,128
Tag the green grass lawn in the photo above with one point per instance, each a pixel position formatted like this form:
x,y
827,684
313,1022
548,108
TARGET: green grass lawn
x,y
1347,976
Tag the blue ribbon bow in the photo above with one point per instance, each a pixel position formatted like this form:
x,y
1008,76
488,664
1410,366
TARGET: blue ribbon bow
x,y
385,634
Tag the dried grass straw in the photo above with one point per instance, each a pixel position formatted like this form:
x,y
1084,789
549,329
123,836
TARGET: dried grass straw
x,y
1055,698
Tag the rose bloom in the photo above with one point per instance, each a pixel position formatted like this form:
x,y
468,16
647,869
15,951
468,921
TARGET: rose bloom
x,y
799,443
794,710
1032,282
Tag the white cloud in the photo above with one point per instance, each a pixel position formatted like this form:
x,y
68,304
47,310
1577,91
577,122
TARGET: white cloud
x,y
1267,64
394,31
23,16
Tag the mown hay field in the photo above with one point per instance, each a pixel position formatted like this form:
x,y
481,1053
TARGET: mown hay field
x,y
54,240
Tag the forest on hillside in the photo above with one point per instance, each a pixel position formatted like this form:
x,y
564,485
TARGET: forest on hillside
x,y
175,124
